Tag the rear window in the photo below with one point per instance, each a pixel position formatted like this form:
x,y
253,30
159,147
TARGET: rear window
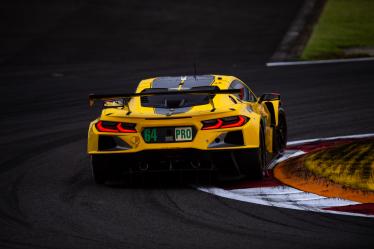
x,y
174,100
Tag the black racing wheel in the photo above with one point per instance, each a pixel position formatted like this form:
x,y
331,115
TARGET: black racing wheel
x,y
252,162
280,134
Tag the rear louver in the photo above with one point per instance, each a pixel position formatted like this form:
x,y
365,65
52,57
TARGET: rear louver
x,y
144,100
234,137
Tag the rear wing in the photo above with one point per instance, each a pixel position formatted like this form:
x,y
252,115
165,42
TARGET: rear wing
x,y
92,98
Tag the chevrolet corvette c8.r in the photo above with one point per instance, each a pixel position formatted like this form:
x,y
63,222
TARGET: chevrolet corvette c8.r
x,y
205,122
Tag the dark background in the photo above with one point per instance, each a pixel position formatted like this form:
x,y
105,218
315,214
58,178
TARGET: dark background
x,y
54,53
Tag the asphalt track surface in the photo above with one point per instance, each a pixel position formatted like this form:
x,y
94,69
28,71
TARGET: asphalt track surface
x,y
53,53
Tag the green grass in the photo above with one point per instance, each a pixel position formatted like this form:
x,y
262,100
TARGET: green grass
x,y
342,24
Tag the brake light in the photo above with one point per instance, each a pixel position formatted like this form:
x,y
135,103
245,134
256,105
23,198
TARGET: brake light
x,y
212,124
222,123
107,126
239,122
126,127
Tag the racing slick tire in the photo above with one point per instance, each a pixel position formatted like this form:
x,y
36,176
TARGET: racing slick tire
x,y
280,134
102,168
251,162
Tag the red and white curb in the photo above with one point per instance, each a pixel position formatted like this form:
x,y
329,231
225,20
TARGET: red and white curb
x,y
271,192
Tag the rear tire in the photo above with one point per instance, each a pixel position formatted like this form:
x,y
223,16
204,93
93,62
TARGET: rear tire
x,y
100,168
280,134
251,162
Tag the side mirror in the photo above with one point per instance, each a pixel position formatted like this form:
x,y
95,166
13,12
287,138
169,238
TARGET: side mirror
x,y
269,97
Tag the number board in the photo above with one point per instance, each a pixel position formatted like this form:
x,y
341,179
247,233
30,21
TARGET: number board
x,y
168,134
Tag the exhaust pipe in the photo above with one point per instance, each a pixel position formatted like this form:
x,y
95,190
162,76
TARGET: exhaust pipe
x,y
195,164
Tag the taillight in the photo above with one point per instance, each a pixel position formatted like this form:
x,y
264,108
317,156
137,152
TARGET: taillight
x,y
212,124
107,126
234,121
222,123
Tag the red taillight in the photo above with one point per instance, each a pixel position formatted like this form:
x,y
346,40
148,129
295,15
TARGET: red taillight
x,y
215,124
103,127
126,129
106,126
241,121
222,123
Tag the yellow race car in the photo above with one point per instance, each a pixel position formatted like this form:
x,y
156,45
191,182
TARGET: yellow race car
x,y
205,122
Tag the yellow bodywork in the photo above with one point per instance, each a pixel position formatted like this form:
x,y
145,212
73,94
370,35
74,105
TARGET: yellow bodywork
x,y
257,113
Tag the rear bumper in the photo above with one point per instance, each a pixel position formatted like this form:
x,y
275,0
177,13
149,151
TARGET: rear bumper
x,y
170,160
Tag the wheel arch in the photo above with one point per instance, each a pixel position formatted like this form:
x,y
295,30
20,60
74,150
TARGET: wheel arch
x,y
274,108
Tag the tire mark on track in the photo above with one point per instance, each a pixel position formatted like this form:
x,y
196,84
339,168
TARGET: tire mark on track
x,y
23,156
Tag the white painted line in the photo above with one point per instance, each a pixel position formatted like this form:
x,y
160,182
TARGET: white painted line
x,y
298,142
298,63
287,155
284,197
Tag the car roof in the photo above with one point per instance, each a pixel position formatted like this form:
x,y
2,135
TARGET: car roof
x,y
185,81
189,81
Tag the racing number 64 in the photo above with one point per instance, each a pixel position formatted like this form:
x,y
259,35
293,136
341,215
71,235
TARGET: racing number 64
x,y
150,134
